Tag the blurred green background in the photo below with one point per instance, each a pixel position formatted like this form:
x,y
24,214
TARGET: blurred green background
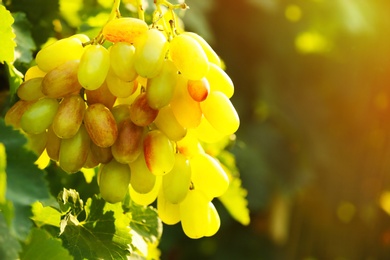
x,y
312,90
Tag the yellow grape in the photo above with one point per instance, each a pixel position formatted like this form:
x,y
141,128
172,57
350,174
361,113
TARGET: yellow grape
x,y
220,81
69,116
168,212
101,95
189,145
122,61
147,198
176,183
141,113
39,116
198,89
101,125
160,89
142,180
210,53
82,37
94,65
194,214
114,179
128,145
186,110
62,80
15,113
58,53
150,53
159,152
119,87
53,145
37,143
74,151
101,154
121,112
167,123
220,113
208,175
215,221
189,57
130,99
34,72
126,29
30,89
91,161
207,133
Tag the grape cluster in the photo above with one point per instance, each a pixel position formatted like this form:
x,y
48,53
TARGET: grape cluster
x,y
140,111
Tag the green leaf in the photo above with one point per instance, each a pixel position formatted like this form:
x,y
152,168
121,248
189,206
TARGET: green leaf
x,y
45,215
145,221
9,245
104,234
41,245
6,35
25,44
25,182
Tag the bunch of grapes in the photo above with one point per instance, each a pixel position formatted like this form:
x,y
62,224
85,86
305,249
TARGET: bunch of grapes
x,y
139,110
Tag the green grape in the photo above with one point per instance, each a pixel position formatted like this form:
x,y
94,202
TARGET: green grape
x,y
128,145
101,154
215,221
119,87
198,89
30,89
147,198
159,152
194,214
34,72
141,113
53,144
69,116
74,151
220,113
94,65
189,145
189,57
15,113
122,61
125,29
208,175
167,123
58,53
220,81
37,143
62,80
186,110
168,212
176,183
101,125
142,180
101,95
121,112
210,53
114,180
39,116
207,133
160,89
150,53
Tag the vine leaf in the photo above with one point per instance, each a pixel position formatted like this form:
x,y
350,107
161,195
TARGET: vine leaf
x,y
7,36
25,44
41,245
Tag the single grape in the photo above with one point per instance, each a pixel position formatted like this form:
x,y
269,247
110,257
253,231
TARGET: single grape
x,y
189,57
114,179
176,183
119,87
141,113
101,154
220,81
101,95
31,89
142,180
198,89
159,152
189,145
53,145
168,212
167,123
15,113
39,116
94,66
215,221
34,72
212,56
101,125
122,61
125,29
147,198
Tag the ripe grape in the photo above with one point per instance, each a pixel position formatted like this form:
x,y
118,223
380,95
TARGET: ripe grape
x,y
142,180
121,112
34,72
114,179
168,212
210,53
126,29
101,154
147,198
101,125
15,113
39,116
220,81
189,145
214,221
141,113
119,87
31,89
207,133
53,145
101,95
159,152
167,123
189,57
122,61
37,143
93,68
198,89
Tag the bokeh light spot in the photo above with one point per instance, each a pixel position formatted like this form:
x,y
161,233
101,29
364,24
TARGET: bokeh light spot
x,y
311,42
293,13
346,211
384,201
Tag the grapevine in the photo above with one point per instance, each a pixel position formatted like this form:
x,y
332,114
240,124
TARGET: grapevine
x,y
140,111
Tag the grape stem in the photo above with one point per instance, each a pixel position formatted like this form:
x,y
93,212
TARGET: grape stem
x,y
141,12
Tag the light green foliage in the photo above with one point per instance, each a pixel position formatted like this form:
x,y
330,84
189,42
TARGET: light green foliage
x,y
6,35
